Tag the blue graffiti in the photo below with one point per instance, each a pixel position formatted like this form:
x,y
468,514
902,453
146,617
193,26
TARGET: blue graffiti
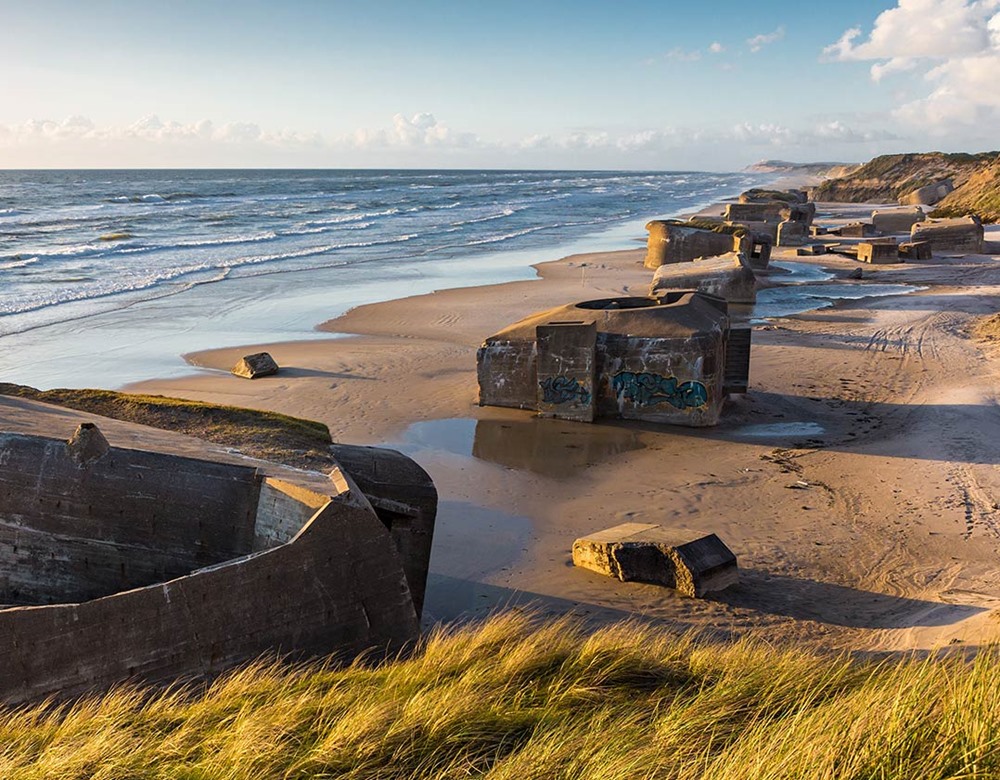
x,y
646,389
562,389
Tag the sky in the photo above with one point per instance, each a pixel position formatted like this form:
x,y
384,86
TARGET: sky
x,y
631,84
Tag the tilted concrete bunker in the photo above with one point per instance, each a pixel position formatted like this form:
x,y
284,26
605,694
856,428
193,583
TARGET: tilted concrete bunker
x,y
120,564
656,359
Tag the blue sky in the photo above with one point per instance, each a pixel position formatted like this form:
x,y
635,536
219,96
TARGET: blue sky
x,y
710,85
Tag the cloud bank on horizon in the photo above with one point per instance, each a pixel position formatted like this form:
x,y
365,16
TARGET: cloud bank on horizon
x,y
932,69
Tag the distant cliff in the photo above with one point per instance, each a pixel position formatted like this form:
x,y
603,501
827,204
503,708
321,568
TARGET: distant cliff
x,y
829,169
885,179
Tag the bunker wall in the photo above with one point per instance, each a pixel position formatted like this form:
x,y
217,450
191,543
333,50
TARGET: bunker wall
x,y
338,585
73,531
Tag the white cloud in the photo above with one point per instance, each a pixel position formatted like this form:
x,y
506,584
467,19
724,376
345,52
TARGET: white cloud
x,y
758,42
677,54
406,139
956,43
716,48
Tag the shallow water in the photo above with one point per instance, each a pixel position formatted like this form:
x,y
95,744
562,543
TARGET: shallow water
x,y
551,448
790,430
806,288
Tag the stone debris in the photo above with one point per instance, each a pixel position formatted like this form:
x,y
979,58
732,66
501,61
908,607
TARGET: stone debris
x,y
253,366
878,252
889,221
811,249
646,552
961,235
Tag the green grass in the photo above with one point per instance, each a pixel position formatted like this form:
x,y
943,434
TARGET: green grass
x,y
515,698
266,435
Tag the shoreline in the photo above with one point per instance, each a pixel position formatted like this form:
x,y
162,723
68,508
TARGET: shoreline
x,y
858,401
151,334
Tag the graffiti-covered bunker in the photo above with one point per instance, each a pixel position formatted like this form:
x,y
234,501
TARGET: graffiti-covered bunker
x,y
121,564
671,359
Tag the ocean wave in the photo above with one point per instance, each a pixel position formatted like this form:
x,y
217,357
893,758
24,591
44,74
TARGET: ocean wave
x,y
17,263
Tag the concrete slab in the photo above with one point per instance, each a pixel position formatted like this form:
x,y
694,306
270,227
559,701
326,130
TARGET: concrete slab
x,y
646,552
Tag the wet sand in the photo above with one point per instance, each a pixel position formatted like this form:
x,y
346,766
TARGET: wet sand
x,y
857,482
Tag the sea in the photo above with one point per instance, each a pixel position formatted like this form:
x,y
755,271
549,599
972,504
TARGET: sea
x,y
109,277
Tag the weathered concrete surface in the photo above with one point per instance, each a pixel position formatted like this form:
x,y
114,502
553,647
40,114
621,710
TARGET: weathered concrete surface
x,y
878,252
645,552
916,250
253,366
728,276
760,251
760,229
670,242
71,531
567,365
856,230
928,195
958,235
405,500
656,360
792,233
769,211
219,563
800,212
889,221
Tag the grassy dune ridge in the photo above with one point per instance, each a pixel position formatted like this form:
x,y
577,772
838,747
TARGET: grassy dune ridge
x,y
517,697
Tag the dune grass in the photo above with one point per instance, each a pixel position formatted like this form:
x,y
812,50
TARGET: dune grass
x,y
267,435
519,698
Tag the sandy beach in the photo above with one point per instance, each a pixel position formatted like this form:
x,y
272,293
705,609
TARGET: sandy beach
x,y
855,481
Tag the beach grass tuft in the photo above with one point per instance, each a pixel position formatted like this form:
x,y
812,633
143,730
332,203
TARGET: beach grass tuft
x,y
520,697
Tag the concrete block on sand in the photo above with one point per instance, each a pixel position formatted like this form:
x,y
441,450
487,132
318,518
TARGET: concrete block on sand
x,y
645,552
253,366
888,221
792,233
878,252
916,250
960,236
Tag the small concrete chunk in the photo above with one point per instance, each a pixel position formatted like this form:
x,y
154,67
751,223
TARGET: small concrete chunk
x,y
87,445
645,552
253,366
811,249
817,230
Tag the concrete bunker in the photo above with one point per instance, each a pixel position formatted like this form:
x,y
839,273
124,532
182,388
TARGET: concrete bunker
x,y
660,359
119,563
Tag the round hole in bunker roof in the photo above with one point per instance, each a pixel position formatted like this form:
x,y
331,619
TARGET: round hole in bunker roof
x,y
619,303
